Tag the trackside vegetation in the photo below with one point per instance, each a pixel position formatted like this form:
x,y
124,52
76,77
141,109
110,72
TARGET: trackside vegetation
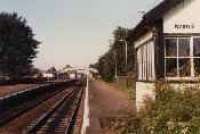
x,y
173,112
113,62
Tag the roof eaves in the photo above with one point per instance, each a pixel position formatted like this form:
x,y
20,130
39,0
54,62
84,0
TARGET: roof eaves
x,y
151,17
158,12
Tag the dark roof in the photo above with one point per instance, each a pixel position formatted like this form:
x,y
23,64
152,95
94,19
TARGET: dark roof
x,y
153,16
157,12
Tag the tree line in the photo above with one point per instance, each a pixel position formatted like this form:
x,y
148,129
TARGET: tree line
x,y
18,47
113,62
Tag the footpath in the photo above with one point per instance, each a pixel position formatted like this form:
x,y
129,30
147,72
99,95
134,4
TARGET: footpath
x,y
106,101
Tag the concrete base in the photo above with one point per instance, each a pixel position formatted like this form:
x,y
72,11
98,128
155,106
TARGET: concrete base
x,y
144,91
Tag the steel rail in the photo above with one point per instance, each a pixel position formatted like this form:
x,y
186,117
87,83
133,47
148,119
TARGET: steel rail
x,y
8,114
38,123
61,118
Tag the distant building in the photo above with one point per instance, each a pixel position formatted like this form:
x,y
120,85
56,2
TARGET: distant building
x,y
69,72
167,42
47,75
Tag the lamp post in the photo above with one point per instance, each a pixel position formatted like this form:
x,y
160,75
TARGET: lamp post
x,y
115,59
126,51
126,59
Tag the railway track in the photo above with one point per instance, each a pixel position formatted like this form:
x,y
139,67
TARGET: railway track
x,y
60,119
16,104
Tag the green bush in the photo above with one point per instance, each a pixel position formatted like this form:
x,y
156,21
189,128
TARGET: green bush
x,y
173,112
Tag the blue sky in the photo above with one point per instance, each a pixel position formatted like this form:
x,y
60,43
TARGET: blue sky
x,y
75,32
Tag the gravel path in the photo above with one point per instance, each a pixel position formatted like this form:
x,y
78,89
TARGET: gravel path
x,y
106,101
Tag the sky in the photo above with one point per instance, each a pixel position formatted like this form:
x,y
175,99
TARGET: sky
x,y
75,32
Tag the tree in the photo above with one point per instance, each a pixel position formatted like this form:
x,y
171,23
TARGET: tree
x,y
53,71
120,33
105,66
17,45
114,59
67,66
35,71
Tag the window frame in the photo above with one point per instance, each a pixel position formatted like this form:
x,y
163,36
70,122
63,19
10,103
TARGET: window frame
x,y
191,57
